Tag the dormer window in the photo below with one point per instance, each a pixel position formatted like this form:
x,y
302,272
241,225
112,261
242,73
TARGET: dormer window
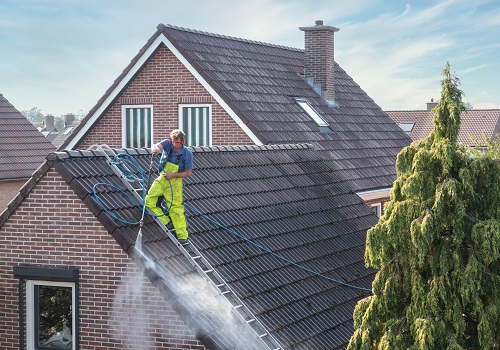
x,y
311,112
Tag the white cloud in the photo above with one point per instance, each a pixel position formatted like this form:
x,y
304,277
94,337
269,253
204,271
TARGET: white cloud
x,y
62,55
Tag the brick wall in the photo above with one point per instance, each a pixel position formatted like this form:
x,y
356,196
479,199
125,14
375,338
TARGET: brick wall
x,y
165,83
53,228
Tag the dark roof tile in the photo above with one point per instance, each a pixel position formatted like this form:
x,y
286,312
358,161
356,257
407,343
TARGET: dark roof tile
x,y
283,199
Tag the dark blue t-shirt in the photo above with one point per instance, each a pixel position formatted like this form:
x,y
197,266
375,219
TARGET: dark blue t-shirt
x,y
186,161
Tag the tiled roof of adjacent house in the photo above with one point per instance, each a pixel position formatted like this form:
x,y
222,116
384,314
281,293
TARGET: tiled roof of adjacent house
x,y
22,147
238,200
258,81
475,124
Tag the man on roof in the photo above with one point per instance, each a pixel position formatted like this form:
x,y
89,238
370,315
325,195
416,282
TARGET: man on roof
x,y
176,163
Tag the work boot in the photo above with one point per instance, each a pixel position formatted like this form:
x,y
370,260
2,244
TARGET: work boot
x,y
184,241
170,226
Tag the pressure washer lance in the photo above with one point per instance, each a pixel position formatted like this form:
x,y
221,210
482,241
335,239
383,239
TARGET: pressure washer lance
x,y
141,222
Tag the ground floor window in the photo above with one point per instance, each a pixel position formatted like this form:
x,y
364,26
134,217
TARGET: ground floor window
x,y
196,122
50,317
51,307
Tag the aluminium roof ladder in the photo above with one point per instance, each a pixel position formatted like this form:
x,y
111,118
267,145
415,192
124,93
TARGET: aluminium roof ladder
x,y
201,264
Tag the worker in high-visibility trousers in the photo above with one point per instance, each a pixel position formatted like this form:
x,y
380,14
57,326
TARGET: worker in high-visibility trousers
x,y
176,163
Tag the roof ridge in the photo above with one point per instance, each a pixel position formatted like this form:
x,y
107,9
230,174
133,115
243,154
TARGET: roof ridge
x,y
161,26
247,148
64,154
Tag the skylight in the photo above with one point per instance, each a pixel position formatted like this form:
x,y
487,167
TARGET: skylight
x,y
311,112
406,126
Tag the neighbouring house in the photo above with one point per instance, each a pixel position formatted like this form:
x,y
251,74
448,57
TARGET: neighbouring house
x,y
48,128
229,91
276,259
22,149
475,124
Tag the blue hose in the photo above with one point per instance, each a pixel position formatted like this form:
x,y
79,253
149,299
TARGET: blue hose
x,y
132,177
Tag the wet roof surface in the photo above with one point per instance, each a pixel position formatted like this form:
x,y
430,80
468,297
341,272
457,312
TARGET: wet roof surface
x,y
260,215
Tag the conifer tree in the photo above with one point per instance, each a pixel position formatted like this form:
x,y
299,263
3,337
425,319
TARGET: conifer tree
x,y
437,246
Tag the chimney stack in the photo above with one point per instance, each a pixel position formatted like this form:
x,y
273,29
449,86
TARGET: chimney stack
x,y
431,105
69,119
319,58
48,123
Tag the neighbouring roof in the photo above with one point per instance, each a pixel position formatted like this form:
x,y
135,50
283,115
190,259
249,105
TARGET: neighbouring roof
x,y
257,82
57,137
22,147
475,124
281,197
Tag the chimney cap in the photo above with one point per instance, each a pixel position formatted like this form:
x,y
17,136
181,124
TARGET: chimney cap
x,y
318,25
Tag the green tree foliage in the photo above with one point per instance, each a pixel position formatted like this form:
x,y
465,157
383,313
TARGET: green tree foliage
x,y
33,115
437,246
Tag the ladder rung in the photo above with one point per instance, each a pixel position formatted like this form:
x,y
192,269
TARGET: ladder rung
x,y
196,257
226,292
221,285
237,306
208,271
250,321
263,335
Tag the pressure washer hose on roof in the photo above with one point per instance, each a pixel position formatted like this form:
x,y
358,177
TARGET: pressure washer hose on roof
x,y
273,253
130,176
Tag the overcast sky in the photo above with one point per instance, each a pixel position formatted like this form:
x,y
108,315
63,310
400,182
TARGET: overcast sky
x,y
62,55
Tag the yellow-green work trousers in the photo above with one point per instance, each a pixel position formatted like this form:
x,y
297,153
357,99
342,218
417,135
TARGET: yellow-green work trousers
x,y
161,187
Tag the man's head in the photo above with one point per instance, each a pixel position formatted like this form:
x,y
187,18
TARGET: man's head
x,y
177,139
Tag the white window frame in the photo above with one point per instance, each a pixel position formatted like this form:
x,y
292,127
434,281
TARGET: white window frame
x,y
187,128
377,209
30,310
124,115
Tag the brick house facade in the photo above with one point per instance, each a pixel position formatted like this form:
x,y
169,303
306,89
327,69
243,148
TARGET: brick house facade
x,y
176,86
52,227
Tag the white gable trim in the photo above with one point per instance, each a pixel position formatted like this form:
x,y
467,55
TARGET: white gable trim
x,y
137,66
